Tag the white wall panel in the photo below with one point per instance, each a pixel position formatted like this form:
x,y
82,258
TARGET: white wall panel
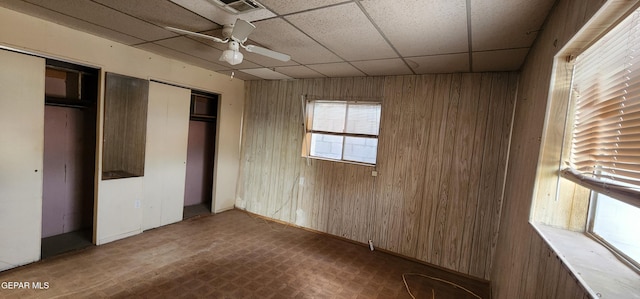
x,y
119,209
21,148
166,154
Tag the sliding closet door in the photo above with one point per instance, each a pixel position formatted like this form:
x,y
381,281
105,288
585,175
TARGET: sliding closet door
x,y
21,153
166,156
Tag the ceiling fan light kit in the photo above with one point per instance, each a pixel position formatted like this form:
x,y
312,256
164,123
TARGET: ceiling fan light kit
x,y
236,35
232,55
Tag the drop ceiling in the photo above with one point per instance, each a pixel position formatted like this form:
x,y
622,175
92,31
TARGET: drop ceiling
x,y
325,38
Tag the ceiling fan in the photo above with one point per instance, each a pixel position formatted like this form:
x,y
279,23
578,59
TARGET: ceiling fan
x,y
235,35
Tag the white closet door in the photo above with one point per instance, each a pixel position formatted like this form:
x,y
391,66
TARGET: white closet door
x,y
166,154
21,153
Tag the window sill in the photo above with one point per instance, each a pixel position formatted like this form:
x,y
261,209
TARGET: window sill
x,y
600,272
340,161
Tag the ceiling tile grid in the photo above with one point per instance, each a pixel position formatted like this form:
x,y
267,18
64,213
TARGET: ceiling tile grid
x,y
283,7
161,12
299,72
345,30
101,15
499,60
419,28
499,24
340,69
325,38
383,67
69,21
435,64
281,36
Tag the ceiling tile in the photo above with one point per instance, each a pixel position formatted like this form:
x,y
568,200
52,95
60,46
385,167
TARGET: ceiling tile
x,y
448,63
212,12
239,75
278,35
71,22
345,30
291,6
298,72
341,69
192,47
499,24
164,13
266,73
499,60
418,27
173,54
100,15
382,67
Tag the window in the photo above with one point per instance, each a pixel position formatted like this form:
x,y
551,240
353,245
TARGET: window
x,y
342,131
615,223
605,146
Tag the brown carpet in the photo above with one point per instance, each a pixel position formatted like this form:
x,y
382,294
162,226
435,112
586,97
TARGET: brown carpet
x,y
233,255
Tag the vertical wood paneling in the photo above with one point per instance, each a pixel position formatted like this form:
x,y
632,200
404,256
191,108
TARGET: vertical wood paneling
x,y
422,100
504,141
458,181
428,243
445,200
386,148
399,156
441,159
125,126
473,197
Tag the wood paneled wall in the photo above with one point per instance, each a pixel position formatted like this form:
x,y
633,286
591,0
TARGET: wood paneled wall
x,y
125,126
524,266
442,156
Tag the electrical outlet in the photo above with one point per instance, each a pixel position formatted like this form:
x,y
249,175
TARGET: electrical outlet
x,y
137,204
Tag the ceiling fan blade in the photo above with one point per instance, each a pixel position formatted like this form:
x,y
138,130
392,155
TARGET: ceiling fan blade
x,y
241,30
268,53
200,35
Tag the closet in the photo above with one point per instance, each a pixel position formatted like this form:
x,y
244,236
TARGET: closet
x,y
200,154
68,183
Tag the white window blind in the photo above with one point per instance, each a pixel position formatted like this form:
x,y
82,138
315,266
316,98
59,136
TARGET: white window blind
x,y
605,148
342,131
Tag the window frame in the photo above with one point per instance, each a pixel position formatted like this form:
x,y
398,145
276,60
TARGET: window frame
x,y
618,190
597,186
559,207
309,109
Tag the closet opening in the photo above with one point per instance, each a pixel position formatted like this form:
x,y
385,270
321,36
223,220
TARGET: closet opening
x,y
198,195
70,100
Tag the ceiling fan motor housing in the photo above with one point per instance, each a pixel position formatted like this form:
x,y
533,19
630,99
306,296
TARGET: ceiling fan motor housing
x,y
226,31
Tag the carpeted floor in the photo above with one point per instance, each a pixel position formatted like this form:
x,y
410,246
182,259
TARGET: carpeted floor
x,y
233,255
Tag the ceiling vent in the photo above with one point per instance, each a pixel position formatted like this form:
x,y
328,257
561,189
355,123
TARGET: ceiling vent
x,y
238,6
